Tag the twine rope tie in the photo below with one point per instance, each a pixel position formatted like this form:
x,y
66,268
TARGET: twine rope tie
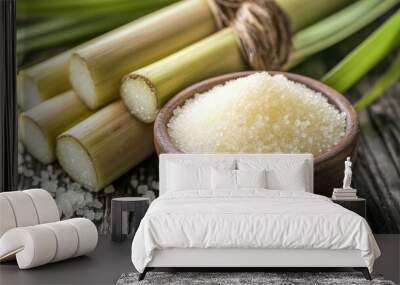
x,y
262,30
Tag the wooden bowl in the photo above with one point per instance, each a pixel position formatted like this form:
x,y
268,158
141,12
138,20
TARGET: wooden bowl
x,y
328,166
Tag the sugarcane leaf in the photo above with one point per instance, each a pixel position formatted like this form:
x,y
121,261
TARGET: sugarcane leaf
x,y
365,56
384,82
53,36
311,35
336,28
79,8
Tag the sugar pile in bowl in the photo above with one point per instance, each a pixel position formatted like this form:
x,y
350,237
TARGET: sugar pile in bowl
x,y
259,113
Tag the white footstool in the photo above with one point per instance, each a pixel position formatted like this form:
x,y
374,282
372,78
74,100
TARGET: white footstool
x,y
32,233
40,244
26,208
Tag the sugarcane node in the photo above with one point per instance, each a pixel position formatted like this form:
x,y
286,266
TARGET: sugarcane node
x,y
262,30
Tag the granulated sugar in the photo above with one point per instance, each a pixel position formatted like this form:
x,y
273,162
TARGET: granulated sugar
x,y
257,114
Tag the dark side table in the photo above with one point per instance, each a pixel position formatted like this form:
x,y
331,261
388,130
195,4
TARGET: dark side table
x,y
357,205
126,214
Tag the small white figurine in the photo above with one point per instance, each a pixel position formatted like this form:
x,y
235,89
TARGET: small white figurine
x,y
347,174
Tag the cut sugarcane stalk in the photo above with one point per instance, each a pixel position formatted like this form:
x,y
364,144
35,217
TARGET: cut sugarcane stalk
x,y
50,78
41,125
104,146
110,142
43,81
148,89
96,69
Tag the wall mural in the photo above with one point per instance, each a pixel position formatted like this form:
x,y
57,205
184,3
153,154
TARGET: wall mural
x,y
122,161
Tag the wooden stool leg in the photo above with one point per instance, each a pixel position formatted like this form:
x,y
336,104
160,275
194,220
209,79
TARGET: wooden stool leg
x,y
116,221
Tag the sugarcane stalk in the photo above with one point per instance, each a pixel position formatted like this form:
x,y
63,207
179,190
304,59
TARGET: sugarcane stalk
x,y
148,89
110,142
43,81
50,77
101,148
172,29
41,125
96,69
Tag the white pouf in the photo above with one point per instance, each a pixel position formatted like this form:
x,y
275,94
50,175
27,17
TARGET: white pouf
x,y
87,234
40,244
66,237
32,246
26,208
7,219
23,208
45,205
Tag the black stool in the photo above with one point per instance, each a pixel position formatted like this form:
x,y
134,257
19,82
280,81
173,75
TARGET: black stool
x,y
121,215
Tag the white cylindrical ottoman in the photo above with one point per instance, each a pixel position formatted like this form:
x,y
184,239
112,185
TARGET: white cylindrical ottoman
x,y
40,244
23,208
7,218
46,207
26,208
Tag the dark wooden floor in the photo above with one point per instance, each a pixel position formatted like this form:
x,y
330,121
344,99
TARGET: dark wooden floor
x,y
110,260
